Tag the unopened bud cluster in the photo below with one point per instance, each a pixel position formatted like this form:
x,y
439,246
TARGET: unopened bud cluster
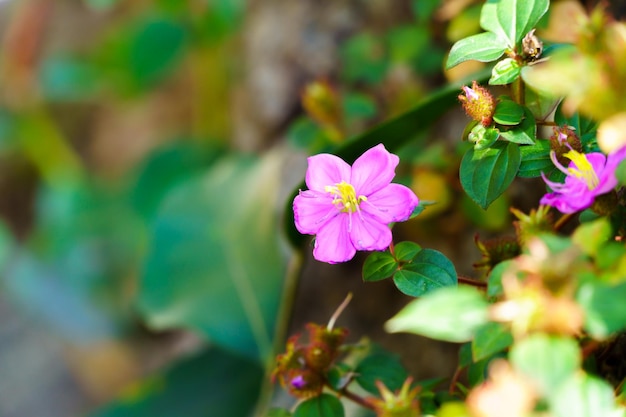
x,y
302,369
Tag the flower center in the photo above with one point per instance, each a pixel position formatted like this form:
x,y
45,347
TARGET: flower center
x,y
584,170
345,196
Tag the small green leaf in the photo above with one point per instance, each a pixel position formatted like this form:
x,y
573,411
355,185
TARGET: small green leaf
x,y
605,310
428,270
378,266
325,405
452,314
505,72
508,113
380,366
484,47
490,339
358,106
487,173
584,396
406,251
535,159
494,283
524,133
546,360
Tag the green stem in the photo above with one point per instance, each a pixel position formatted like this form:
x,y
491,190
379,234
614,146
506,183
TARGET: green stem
x,y
283,318
518,91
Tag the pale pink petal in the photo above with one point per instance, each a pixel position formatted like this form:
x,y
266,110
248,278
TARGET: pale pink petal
x,y
369,234
393,203
332,243
325,169
373,170
311,210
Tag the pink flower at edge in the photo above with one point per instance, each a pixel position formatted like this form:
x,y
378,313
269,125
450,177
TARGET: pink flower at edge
x,y
588,176
349,208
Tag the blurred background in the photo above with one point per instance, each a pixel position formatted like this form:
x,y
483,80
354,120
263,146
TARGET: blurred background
x,y
148,152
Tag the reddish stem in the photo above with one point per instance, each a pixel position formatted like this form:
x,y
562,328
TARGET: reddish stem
x,y
471,281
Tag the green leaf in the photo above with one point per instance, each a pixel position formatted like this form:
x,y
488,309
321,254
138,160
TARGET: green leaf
x,y
325,405
215,264
487,173
535,159
154,50
358,106
524,133
428,270
546,360
383,367
584,396
512,19
484,47
277,412
364,59
214,383
605,310
452,314
591,235
494,283
406,251
489,339
165,168
505,72
508,113
378,266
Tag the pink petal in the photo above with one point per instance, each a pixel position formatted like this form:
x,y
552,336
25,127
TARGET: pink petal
x,y
369,234
332,243
311,210
607,177
373,170
325,169
393,203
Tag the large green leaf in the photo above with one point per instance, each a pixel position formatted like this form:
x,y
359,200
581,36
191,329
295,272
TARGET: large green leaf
x,y
512,19
452,314
484,47
490,339
535,159
487,173
393,133
428,270
584,396
214,383
546,360
605,310
214,264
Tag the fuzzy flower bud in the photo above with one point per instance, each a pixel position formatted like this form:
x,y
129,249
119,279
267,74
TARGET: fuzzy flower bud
x,y
322,103
563,140
478,103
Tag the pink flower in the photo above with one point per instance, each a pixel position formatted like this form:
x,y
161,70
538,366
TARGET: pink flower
x,y
350,208
588,176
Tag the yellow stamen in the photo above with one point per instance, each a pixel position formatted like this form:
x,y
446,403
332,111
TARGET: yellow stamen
x,y
345,196
584,170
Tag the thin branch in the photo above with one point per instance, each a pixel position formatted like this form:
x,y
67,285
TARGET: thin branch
x,y
471,281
